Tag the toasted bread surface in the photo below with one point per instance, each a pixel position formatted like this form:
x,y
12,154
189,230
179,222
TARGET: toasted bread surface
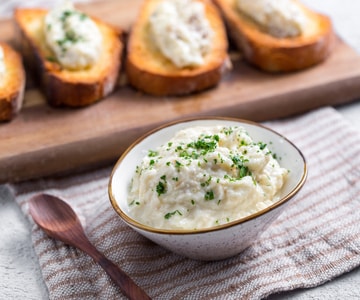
x,y
148,70
74,88
274,54
12,84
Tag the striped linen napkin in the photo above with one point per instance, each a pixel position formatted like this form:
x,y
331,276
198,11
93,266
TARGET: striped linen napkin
x,y
316,239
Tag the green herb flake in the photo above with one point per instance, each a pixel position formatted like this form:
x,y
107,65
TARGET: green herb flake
x,y
239,164
227,130
83,16
65,15
243,143
51,59
153,153
161,186
134,203
205,144
209,195
178,165
207,182
261,145
170,214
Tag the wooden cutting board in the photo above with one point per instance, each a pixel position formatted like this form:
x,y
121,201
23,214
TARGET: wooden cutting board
x,y
45,141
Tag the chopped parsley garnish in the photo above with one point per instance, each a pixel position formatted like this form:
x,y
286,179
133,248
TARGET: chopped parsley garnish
x,y
206,143
66,14
134,202
51,58
178,165
209,195
243,143
83,16
170,214
228,130
243,171
153,153
70,37
161,186
239,164
261,145
207,182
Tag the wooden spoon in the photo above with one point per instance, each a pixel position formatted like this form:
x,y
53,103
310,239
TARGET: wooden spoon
x,y
59,221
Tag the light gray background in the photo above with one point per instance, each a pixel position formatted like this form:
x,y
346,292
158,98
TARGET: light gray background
x,y
19,270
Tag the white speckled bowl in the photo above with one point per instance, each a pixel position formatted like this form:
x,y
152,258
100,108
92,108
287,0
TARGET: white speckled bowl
x,y
216,242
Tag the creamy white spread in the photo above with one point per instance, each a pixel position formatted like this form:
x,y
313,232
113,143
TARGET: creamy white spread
x,y
181,31
280,18
2,65
73,37
204,177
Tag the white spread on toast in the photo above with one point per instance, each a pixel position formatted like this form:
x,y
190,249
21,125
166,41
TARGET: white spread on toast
x,y
280,18
73,37
205,176
181,32
2,65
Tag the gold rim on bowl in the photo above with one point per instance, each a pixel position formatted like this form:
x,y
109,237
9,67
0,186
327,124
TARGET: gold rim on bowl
x,y
144,227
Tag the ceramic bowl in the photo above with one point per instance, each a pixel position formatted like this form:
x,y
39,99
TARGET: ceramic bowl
x,y
222,241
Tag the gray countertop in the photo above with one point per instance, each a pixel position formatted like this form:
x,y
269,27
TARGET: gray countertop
x,y
19,269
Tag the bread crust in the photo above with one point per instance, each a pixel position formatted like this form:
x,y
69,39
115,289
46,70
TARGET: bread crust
x,y
13,84
66,87
279,54
150,72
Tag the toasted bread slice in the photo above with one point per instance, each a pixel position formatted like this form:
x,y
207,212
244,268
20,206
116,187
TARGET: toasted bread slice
x,y
64,87
12,84
151,72
279,54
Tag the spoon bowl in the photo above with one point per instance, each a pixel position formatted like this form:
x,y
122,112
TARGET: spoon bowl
x,y
55,217
59,221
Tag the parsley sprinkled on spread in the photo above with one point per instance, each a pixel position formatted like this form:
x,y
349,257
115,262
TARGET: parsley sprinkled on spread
x,y
73,37
153,153
161,186
209,195
204,176
170,214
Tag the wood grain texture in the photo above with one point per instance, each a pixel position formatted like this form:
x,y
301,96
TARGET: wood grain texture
x,y
45,141
59,221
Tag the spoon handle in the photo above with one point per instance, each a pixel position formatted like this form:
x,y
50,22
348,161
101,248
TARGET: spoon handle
x,y
127,285
130,288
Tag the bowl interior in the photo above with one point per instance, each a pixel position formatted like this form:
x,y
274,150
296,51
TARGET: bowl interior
x,y
287,154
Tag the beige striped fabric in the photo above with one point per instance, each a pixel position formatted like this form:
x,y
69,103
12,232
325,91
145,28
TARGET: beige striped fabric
x,y
316,239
